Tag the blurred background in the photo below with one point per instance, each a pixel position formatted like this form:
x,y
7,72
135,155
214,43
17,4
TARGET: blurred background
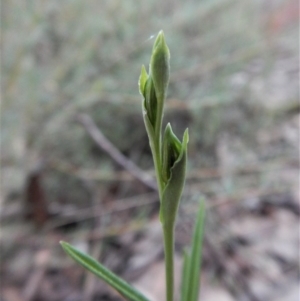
x,y
75,158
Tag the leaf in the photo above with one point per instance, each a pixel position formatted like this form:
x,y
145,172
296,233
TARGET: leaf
x,y
173,189
185,276
125,289
192,262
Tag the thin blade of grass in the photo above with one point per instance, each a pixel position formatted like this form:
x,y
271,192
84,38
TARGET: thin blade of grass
x,y
102,272
196,255
185,279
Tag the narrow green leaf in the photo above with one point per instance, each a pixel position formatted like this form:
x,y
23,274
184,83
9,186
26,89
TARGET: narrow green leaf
x,y
102,272
196,255
185,279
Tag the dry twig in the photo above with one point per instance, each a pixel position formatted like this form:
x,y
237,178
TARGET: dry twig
x,y
33,283
113,152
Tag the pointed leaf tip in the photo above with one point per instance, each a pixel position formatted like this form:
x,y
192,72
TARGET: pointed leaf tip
x,y
158,39
125,289
142,80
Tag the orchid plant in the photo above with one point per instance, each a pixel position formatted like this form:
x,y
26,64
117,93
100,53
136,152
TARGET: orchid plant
x,y
170,158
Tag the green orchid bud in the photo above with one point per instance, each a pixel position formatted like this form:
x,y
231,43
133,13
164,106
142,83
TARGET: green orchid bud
x,y
174,156
147,90
142,80
170,152
150,102
160,66
153,86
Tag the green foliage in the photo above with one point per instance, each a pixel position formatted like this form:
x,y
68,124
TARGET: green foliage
x,y
175,155
170,159
64,57
191,264
169,154
99,270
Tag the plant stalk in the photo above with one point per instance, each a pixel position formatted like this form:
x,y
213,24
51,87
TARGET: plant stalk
x,y
155,148
155,144
169,260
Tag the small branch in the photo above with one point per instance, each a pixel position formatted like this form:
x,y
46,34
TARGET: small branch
x,y
97,211
34,280
101,141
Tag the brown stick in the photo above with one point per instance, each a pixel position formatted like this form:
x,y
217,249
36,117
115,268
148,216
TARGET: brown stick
x,y
97,211
33,282
113,152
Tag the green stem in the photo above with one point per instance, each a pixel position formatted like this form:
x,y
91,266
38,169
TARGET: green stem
x,y
168,230
169,260
155,147
155,144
